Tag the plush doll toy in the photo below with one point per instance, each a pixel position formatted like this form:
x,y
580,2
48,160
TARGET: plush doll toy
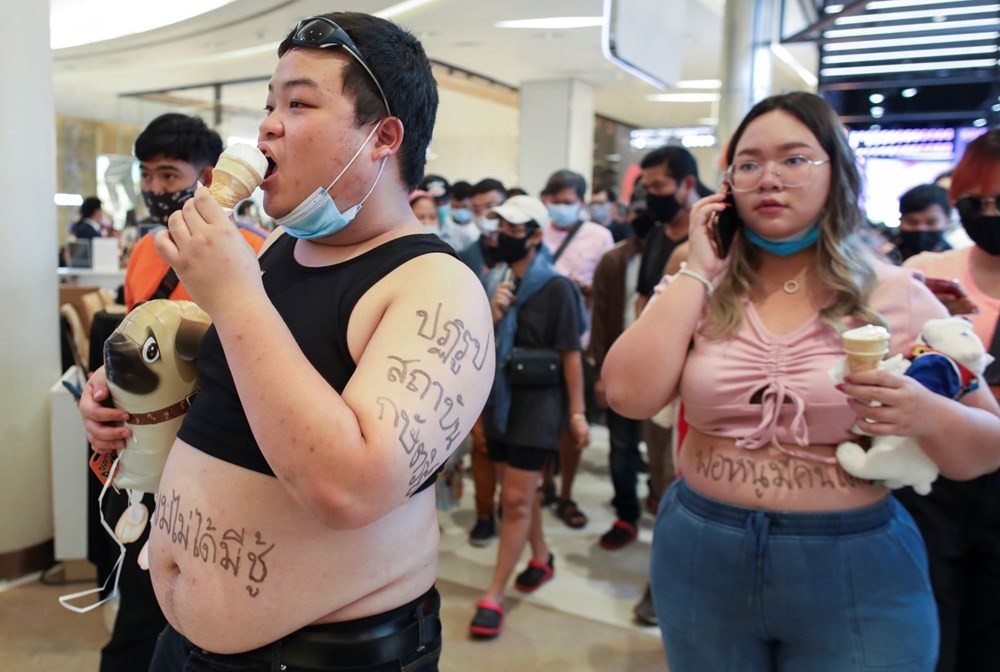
x,y
949,359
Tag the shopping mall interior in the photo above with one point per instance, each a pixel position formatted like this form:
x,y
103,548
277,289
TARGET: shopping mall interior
x,y
526,88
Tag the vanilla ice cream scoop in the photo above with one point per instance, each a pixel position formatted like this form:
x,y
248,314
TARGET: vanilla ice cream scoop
x,y
240,170
865,347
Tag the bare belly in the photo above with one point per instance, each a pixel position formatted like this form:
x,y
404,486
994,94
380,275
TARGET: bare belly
x,y
236,563
770,479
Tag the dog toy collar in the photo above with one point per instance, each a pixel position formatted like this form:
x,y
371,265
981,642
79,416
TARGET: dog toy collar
x,y
164,414
968,380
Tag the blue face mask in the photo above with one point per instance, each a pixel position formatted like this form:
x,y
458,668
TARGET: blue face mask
x,y
564,216
786,246
318,216
600,212
461,215
443,212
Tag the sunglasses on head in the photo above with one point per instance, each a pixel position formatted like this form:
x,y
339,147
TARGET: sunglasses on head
x,y
973,206
322,33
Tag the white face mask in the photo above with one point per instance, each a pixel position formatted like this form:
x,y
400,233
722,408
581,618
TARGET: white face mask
x,y
318,216
486,225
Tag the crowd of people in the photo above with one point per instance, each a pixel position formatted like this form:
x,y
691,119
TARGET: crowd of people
x,y
354,350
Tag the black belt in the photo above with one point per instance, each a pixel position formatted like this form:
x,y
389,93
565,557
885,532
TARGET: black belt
x,y
383,638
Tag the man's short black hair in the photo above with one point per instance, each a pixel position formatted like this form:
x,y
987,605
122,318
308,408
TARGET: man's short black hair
x,y
90,205
487,185
398,61
244,206
922,197
565,179
611,193
178,136
678,162
461,190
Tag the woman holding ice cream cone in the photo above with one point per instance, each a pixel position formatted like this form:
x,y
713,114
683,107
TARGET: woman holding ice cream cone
x,y
766,554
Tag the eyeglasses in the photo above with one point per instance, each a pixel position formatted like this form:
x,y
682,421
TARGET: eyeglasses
x,y
793,171
973,206
322,33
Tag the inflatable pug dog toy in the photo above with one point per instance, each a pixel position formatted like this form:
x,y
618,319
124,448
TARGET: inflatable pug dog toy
x,y
150,365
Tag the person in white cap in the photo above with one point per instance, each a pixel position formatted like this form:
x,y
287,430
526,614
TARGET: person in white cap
x,y
537,391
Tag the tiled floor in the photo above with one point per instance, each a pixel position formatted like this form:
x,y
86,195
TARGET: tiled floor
x,y
580,621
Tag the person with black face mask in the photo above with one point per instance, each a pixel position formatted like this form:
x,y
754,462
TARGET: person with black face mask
x,y
960,521
670,182
536,310
925,214
175,153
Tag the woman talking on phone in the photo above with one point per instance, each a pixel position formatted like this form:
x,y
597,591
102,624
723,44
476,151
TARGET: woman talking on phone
x,y
960,521
766,554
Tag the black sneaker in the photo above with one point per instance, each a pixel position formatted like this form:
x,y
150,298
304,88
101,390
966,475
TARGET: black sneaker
x,y
484,530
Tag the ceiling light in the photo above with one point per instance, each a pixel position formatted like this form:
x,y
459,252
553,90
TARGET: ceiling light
x,y
877,112
907,67
996,108
911,28
911,41
683,97
899,4
554,23
833,9
874,127
908,93
912,53
933,14
699,84
401,8
876,98
979,123
77,23
75,200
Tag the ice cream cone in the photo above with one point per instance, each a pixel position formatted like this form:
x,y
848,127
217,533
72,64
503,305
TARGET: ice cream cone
x,y
865,347
239,171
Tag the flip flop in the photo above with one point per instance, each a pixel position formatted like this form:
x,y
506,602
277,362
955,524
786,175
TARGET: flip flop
x,y
488,621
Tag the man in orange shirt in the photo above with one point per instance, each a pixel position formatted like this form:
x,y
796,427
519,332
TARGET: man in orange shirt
x,y
175,153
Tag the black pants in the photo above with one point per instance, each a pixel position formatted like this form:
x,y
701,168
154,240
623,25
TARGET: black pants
x,y
624,435
405,639
140,619
960,523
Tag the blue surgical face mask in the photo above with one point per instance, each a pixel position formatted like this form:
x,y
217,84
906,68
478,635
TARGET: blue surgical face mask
x,y
318,216
784,247
564,215
600,212
461,215
443,212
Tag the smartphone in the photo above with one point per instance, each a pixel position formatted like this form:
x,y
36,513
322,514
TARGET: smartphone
x,y
946,287
724,226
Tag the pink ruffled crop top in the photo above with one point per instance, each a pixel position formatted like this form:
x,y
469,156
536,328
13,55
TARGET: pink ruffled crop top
x,y
767,390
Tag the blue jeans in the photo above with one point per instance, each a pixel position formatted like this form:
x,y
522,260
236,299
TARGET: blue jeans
x,y
747,590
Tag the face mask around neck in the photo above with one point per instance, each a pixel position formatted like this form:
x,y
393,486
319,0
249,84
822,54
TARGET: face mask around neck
x,y
787,246
318,216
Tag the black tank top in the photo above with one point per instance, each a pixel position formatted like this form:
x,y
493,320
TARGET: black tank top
x,y
316,305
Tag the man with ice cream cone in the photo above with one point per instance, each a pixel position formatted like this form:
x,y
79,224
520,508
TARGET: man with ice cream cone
x,y
342,369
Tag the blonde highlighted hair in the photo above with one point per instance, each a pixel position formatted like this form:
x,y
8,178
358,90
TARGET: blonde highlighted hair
x,y
844,260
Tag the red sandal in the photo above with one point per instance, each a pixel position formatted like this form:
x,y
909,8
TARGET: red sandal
x,y
488,621
536,574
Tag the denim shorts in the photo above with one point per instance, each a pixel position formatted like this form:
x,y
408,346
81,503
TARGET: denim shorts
x,y
747,590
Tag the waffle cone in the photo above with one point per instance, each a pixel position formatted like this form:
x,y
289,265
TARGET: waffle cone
x,y
233,180
865,354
